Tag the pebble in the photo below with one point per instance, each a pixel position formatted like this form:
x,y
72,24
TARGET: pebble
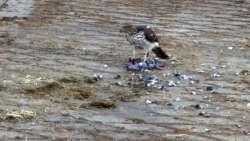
x,y
178,99
162,87
118,83
151,81
105,66
203,114
192,82
238,125
248,105
173,61
177,75
207,130
141,78
171,83
244,72
216,75
180,76
237,73
98,77
200,70
148,102
117,76
198,106
209,88
193,93
137,64
185,77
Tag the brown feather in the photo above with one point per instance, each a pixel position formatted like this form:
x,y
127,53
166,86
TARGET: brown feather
x,y
160,53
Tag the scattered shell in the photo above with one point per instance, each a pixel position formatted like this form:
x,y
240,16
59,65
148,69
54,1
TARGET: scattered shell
x,y
178,99
105,66
117,76
210,89
171,83
136,64
216,75
98,77
237,125
207,130
193,93
151,81
148,102
248,105
162,87
118,83
198,106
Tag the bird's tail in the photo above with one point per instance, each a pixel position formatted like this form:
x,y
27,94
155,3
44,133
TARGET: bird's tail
x,y
160,53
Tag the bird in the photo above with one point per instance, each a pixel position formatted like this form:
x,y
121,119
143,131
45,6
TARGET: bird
x,y
142,36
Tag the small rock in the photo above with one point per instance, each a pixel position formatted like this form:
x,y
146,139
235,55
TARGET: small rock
x,y
216,75
177,75
248,105
151,81
200,70
165,75
204,114
230,48
198,106
98,77
117,76
148,102
244,72
171,83
180,76
207,130
209,88
193,93
105,66
214,68
162,87
237,125
178,99
185,77
172,62
192,82
141,77
118,83
170,104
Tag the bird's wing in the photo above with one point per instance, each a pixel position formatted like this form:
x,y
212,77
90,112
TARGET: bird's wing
x,y
150,35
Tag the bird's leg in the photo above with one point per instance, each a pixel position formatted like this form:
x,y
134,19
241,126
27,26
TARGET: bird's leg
x,y
146,56
133,53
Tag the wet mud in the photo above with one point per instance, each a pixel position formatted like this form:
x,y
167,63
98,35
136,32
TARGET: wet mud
x,y
63,74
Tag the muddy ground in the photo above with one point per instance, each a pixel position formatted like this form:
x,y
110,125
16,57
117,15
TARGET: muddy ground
x,y
51,49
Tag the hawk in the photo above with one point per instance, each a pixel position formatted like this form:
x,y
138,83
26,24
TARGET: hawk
x,y
144,37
